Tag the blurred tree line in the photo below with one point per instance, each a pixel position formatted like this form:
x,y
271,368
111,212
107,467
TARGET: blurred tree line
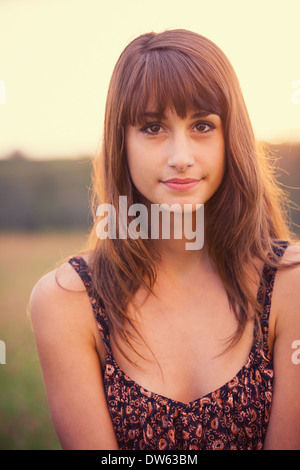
x,y
55,194
44,195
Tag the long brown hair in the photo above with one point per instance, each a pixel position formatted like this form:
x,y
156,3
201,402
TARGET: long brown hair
x,y
245,218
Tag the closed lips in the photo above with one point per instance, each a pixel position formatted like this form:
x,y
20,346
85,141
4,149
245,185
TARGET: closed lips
x,y
180,184
181,181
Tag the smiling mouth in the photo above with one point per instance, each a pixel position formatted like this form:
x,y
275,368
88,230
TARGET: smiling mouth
x,y
181,184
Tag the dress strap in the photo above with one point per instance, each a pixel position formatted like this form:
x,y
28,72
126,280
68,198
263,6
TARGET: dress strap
x,y
81,267
269,273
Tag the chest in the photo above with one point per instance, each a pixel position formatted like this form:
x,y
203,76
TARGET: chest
x,y
179,341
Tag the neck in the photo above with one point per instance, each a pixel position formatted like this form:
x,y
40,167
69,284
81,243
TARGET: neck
x,y
174,252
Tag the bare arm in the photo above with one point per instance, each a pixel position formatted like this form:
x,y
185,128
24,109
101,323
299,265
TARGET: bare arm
x,y
284,425
63,326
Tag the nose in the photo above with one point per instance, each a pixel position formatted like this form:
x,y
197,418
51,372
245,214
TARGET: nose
x,y
179,152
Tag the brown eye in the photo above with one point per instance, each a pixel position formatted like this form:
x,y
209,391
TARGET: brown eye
x,y
201,127
151,129
154,128
204,127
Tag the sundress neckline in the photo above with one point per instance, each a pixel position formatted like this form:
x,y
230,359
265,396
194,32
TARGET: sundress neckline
x,y
208,398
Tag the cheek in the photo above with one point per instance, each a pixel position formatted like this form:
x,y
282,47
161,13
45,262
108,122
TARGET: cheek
x,y
139,168
132,160
213,155
220,157
135,165
136,174
141,162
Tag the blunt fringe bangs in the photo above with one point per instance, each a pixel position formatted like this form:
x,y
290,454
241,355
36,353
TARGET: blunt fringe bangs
x,y
167,78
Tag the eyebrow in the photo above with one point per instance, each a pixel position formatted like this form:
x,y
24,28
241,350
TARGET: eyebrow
x,y
163,116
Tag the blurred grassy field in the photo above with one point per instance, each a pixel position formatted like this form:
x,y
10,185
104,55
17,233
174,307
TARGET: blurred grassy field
x,y
25,421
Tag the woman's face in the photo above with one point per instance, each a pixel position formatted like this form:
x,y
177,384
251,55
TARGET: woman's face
x,y
174,160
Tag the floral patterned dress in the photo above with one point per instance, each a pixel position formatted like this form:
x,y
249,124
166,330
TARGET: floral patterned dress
x,y
233,417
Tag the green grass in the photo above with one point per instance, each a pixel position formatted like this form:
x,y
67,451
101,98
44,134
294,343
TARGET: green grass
x,y
25,422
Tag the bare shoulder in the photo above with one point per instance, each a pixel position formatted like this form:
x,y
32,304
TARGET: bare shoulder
x,y
287,290
283,430
61,281
292,253
58,300
291,275
60,284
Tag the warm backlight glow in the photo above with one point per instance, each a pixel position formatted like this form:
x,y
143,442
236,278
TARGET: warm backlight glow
x,y
57,56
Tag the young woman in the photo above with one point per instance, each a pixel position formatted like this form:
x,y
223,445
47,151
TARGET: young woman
x,y
145,344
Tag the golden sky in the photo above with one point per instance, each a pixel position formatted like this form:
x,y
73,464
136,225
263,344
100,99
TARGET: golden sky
x,y
57,56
